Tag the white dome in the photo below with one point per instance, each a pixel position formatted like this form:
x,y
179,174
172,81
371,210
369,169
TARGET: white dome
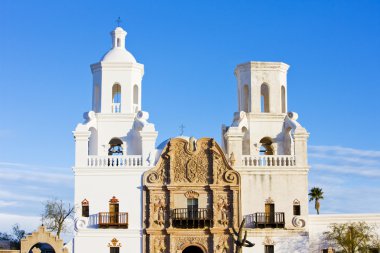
x,y
118,55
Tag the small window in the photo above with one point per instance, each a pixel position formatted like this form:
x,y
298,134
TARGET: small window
x,y
264,98
118,42
85,208
114,250
269,249
296,210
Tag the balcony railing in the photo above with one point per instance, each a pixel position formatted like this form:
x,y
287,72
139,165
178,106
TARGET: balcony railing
x,y
112,220
115,161
266,220
268,161
191,218
116,107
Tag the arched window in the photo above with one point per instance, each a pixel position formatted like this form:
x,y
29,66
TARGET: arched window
x,y
246,143
135,94
116,93
296,207
115,147
264,98
85,208
283,100
246,98
266,146
116,97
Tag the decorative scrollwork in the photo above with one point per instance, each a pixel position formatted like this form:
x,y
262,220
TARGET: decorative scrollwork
x,y
231,177
80,223
298,222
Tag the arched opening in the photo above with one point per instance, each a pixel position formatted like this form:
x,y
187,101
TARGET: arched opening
x,y
283,100
85,208
192,249
118,42
116,97
266,146
246,98
116,147
135,97
264,98
43,248
246,149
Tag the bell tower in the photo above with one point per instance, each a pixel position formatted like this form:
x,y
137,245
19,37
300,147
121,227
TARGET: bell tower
x,y
262,87
117,79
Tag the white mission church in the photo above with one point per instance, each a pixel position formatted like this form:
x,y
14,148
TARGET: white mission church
x,y
186,194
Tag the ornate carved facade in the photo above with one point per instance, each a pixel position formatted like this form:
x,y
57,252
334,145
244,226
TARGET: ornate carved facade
x,y
191,198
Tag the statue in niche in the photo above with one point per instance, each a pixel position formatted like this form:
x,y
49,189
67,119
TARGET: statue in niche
x,y
222,206
159,210
159,245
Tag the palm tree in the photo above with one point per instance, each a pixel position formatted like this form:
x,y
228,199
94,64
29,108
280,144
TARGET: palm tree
x,y
316,194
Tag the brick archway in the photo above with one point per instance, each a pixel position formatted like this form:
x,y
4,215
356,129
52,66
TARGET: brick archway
x,y
42,236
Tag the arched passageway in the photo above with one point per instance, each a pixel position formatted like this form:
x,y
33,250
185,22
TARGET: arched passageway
x,y
42,247
192,249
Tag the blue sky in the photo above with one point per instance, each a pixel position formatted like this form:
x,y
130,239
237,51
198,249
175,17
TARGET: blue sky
x,y
189,49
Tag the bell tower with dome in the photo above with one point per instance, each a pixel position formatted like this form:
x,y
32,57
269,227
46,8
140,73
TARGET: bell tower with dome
x,y
114,146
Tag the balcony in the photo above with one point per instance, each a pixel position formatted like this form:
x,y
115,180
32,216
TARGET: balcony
x,y
191,218
115,161
112,220
116,107
268,161
266,220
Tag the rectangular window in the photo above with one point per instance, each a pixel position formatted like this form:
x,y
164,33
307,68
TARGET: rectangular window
x,y
296,210
85,211
114,249
192,208
269,249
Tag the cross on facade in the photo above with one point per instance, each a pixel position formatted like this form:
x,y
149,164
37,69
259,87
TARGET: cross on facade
x,y
118,21
181,127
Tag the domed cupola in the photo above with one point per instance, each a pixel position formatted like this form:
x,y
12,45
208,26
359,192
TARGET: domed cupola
x,y
118,52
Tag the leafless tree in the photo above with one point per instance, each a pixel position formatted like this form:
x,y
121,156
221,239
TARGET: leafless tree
x,y
56,214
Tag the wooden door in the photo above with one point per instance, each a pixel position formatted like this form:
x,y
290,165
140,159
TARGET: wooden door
x,y
114,213
269,213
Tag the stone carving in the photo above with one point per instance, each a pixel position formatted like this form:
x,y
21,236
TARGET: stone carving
x,y
232,159
158,208
298,222
114,243
222,208
222,245
158,176
159,245
191,194
296,202
183,242
189,166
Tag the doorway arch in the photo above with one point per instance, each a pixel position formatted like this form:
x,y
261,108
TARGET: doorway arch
x,y
44,239
193,249
42,247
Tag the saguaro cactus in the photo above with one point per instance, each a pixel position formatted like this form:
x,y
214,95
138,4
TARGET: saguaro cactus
x,y
241,241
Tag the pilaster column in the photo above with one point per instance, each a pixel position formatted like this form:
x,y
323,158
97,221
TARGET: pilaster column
x,y
81,147
234,139
148,142
300,147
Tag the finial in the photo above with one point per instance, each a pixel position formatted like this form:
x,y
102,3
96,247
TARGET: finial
x,y
181,127
118,21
